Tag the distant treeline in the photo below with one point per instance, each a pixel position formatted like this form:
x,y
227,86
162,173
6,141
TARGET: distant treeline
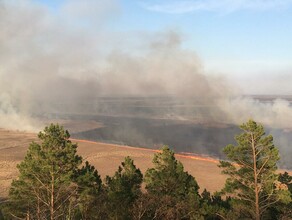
x,y
56,183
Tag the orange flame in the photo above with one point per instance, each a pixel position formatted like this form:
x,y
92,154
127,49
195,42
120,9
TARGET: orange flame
x,y
211,160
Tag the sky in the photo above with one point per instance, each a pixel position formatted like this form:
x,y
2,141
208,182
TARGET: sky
x,y
248,41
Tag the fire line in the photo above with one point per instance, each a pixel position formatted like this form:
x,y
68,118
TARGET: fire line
x,y
146,149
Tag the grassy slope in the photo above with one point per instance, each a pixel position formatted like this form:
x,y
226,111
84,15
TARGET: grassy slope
x,y
105,157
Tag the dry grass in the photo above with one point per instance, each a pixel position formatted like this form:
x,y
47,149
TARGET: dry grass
x,y
13,146
105,157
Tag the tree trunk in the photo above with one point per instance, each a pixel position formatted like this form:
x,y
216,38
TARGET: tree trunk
x,y
257,209
28,215
52,198
38,209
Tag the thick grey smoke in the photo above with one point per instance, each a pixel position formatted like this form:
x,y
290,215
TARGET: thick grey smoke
x,y
45,59
51,57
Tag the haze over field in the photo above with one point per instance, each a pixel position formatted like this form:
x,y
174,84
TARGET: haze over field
x,y
72,57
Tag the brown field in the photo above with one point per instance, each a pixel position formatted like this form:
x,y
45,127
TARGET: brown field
x,y
105,157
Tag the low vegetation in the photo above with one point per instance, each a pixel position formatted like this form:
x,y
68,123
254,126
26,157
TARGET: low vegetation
x,y
56,183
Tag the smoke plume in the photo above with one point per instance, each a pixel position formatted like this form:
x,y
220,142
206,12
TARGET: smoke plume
x,y
46,58
56,61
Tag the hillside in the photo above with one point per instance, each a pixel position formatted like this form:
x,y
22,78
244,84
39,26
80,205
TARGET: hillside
x,y
105,157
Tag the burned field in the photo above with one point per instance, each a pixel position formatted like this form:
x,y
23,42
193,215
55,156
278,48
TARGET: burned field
x,y
194,126
182,137
139,122
152,122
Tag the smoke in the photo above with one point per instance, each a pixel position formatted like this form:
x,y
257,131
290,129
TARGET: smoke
x,y
11,118
48,58
53,60
275,113
145,88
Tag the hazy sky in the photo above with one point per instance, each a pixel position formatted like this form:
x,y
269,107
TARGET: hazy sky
x,y
246,40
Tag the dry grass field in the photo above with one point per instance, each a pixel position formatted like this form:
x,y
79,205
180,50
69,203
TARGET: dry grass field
x,y
105,157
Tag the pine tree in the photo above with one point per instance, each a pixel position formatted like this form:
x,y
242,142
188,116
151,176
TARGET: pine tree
x,y
44,187
213,206
168,176
286,179
89,190
123,189
283,209
251,170
173,191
